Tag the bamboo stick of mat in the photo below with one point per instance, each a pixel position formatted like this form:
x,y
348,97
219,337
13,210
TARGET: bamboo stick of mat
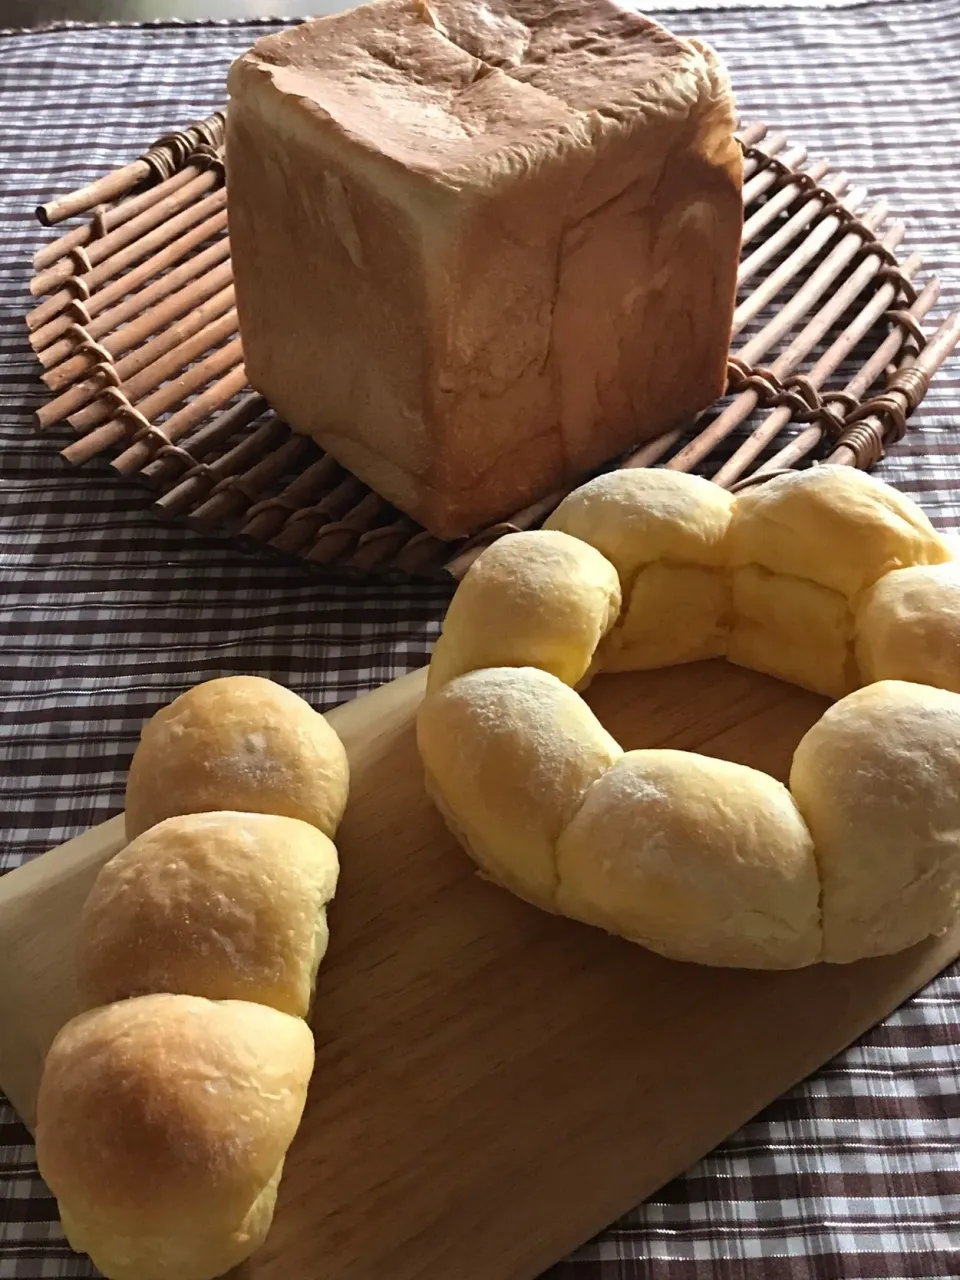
x,y
126,415
857,387
190,282
107,220
746,401
210,212
129,241
172,339
136,335
829,362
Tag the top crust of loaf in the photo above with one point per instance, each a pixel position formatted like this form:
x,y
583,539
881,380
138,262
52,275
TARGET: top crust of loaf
x,y
456,90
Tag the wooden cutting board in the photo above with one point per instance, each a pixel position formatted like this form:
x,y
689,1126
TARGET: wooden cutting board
x,y
493,1085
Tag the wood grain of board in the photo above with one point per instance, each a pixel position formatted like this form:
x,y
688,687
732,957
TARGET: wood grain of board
x,y
493,1085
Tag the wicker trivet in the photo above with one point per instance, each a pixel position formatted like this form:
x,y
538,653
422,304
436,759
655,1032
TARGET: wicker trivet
x,y
139,342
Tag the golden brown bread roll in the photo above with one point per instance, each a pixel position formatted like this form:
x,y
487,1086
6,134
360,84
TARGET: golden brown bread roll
x,y
697,859
508,754
165,1112
230,906
665,533
531,599
802,548
908,627
162,1127
878,781
240,743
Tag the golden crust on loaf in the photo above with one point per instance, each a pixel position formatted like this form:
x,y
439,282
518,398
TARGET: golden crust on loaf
x,y
162,1126
539,599
878,781
453,226
695,858
229,906
908,627
238,743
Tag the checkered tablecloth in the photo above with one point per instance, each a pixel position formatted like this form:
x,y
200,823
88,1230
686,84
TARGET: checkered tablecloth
x,y
106,613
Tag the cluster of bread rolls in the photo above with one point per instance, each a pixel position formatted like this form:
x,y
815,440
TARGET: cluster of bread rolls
x,y
826,578
166,1108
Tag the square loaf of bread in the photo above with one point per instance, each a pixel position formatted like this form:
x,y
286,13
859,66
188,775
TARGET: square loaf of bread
x,y
482,246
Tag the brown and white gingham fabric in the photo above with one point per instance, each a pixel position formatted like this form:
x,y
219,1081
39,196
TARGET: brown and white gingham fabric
x,y
106,613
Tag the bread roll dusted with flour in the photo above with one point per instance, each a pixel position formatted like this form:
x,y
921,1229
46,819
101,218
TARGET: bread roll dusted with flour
x,y
241,743
509,754
697,859
802,549
531,599
162,1127
878,781
665,532
231,906
908,627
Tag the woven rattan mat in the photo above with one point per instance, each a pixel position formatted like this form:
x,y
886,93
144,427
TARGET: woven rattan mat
x,y
106,612
137,330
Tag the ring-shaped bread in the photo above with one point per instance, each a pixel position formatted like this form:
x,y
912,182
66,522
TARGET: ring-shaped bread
x,y
826,578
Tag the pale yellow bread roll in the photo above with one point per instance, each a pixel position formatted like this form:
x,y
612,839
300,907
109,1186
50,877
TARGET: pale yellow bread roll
x,y
230,906
508,754
818,538
908,627
833,525
793,629
539,599
877,780
162,1127
695,858
665,533
240,743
